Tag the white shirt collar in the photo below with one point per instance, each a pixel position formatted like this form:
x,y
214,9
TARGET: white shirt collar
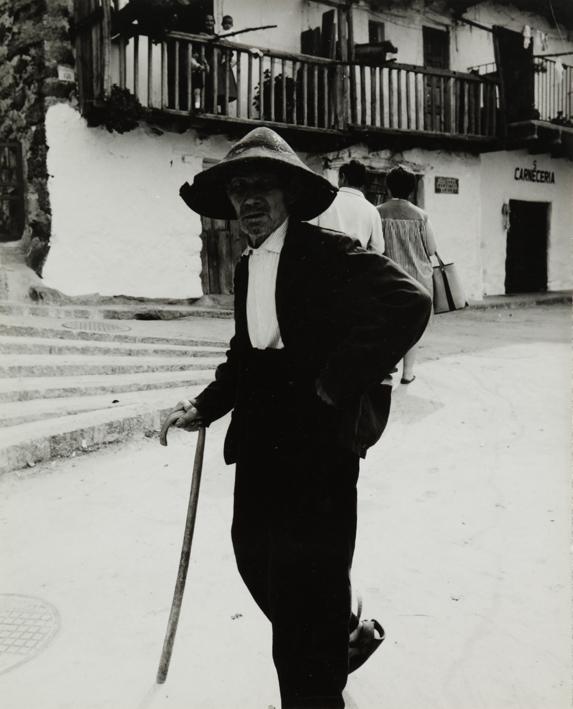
x,y
273,243
352,190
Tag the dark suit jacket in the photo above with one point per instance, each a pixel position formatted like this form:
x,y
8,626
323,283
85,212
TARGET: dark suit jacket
x,y
345,314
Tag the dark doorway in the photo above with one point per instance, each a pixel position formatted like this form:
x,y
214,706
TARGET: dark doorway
x,y
436,48
526,255
516,74
12,210
437,56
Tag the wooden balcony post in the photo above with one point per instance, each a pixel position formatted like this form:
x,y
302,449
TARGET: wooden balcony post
x,y
381,93
466,108
136,66
451,126
284,91
304,94
372,96
363,116
409,100
206,76
326,97
149,73
122,62
214,83
227,59
261,88
106,48
295,92
238,111
164,74
190,96
315,93
390,97
272,89
250,85
176,74
399,97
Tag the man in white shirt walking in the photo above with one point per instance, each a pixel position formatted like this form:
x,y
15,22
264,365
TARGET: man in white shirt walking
x,y
319,322
351,213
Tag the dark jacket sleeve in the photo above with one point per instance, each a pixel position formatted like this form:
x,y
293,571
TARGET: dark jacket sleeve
x,y
383,313
218,398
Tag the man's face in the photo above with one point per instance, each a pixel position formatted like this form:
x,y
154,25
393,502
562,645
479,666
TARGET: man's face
x,y
260,201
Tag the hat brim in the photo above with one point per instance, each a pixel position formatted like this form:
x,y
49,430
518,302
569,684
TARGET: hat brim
x,y
208,194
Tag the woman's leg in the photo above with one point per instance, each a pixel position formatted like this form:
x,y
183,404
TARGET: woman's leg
x,y
408,363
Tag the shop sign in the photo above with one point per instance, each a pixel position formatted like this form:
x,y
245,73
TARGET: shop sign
x,y
446,185
532,174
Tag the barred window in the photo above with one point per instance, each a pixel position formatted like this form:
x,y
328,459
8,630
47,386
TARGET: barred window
x,y
11,192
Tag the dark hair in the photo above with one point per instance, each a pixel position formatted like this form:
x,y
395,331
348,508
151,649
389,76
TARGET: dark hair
x,y
401,182
354,172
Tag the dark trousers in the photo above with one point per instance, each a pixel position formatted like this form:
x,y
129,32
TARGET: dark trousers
x,y
294,529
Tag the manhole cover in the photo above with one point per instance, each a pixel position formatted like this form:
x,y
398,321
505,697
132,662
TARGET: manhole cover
x,y
96,326
27,625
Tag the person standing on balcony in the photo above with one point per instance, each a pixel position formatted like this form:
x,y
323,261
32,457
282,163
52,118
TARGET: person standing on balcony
x,y
409,240
351,213
319,322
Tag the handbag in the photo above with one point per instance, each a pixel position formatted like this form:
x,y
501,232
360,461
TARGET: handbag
x,y
448,291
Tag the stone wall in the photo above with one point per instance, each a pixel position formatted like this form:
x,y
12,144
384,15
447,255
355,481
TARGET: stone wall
x,y
34,41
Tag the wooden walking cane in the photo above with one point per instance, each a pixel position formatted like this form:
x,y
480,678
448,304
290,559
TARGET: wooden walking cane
x,y
185,550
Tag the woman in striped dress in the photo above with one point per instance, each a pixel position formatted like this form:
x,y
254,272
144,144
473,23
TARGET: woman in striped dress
x,y
409,241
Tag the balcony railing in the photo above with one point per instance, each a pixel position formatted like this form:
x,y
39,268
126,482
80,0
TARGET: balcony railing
x,y
552,89
414,98
192,75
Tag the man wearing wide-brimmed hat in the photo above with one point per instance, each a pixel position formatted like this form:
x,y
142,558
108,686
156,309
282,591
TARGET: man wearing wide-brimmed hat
x,y
320,322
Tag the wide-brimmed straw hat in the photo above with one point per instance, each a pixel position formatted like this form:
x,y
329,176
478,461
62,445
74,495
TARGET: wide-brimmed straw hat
x,y
261,148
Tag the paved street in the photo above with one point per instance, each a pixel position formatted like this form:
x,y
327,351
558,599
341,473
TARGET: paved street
x,y
462,552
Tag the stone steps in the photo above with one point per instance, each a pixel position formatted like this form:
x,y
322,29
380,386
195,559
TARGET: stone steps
x,y
13,344
136,311
50,331
70,390
29,388
28,411
25,444
75,365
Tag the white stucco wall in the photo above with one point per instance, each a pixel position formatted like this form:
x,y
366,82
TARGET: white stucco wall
x,y
118,223
456,218
498,187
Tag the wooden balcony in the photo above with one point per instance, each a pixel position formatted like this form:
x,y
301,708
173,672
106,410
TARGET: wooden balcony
x,y
551,90
544,121
200,81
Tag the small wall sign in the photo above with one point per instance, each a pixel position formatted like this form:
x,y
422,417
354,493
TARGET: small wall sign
x,y
66,73
532,174
446,185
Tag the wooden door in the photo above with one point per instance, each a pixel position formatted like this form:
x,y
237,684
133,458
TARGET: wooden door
x,y
12,205
516,74
223,244
436,56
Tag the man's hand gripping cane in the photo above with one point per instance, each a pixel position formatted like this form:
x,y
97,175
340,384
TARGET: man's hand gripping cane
x,y
184,416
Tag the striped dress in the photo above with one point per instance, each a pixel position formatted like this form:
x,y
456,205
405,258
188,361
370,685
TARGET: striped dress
x,y
409,239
